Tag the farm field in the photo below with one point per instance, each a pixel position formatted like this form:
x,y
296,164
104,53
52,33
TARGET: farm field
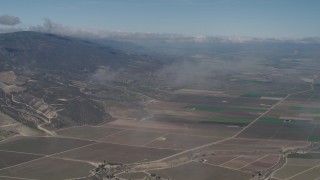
x,y
295,166
266,162
293,119
132,137
115,153
288,171
297,110
262,143
240,148
201,171
9,178
315,135
257,148
309,155
49,168
199,111
189,128
241,161
226,101
175,127
87,132
12,158
264,94
313,173
133,175
229,121
227,111
279,129
214,137
42,145
311,96
178,141
220,159
221,108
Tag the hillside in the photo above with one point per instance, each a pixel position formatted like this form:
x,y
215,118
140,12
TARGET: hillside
x,y
54,81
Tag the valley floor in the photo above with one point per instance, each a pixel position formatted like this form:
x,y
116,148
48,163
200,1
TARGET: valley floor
x,y
194,136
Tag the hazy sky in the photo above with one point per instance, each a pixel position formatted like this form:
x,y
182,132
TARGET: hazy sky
x,y
257,18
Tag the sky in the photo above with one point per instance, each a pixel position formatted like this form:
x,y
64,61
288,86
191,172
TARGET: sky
x,y
250,18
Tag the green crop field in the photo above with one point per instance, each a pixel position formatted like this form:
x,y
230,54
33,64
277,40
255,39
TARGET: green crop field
x,y
305,156
270,120
277,120
279,95
246,109
295,108
205,108
229,120
311,110
219,109
260,94
305,110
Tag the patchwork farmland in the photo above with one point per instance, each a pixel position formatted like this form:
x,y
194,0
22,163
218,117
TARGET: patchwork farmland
x,y
188,137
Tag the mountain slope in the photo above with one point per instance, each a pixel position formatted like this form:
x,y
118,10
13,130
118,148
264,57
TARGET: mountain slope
x,y
54,81
52,52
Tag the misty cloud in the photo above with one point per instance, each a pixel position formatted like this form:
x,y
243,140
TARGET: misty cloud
x,y
187,72
201,72
190,73
103,75
9,20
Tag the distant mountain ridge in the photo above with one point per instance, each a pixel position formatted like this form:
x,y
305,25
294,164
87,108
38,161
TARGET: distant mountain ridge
x,y
53,52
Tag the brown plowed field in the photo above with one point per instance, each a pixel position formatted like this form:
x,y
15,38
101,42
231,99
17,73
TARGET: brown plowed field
x,y
219,159
49,169
132,137
115,153
241,161
42,145
87,132
262,164
203,129
239,148
10,158
193,170
177,141
270,143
